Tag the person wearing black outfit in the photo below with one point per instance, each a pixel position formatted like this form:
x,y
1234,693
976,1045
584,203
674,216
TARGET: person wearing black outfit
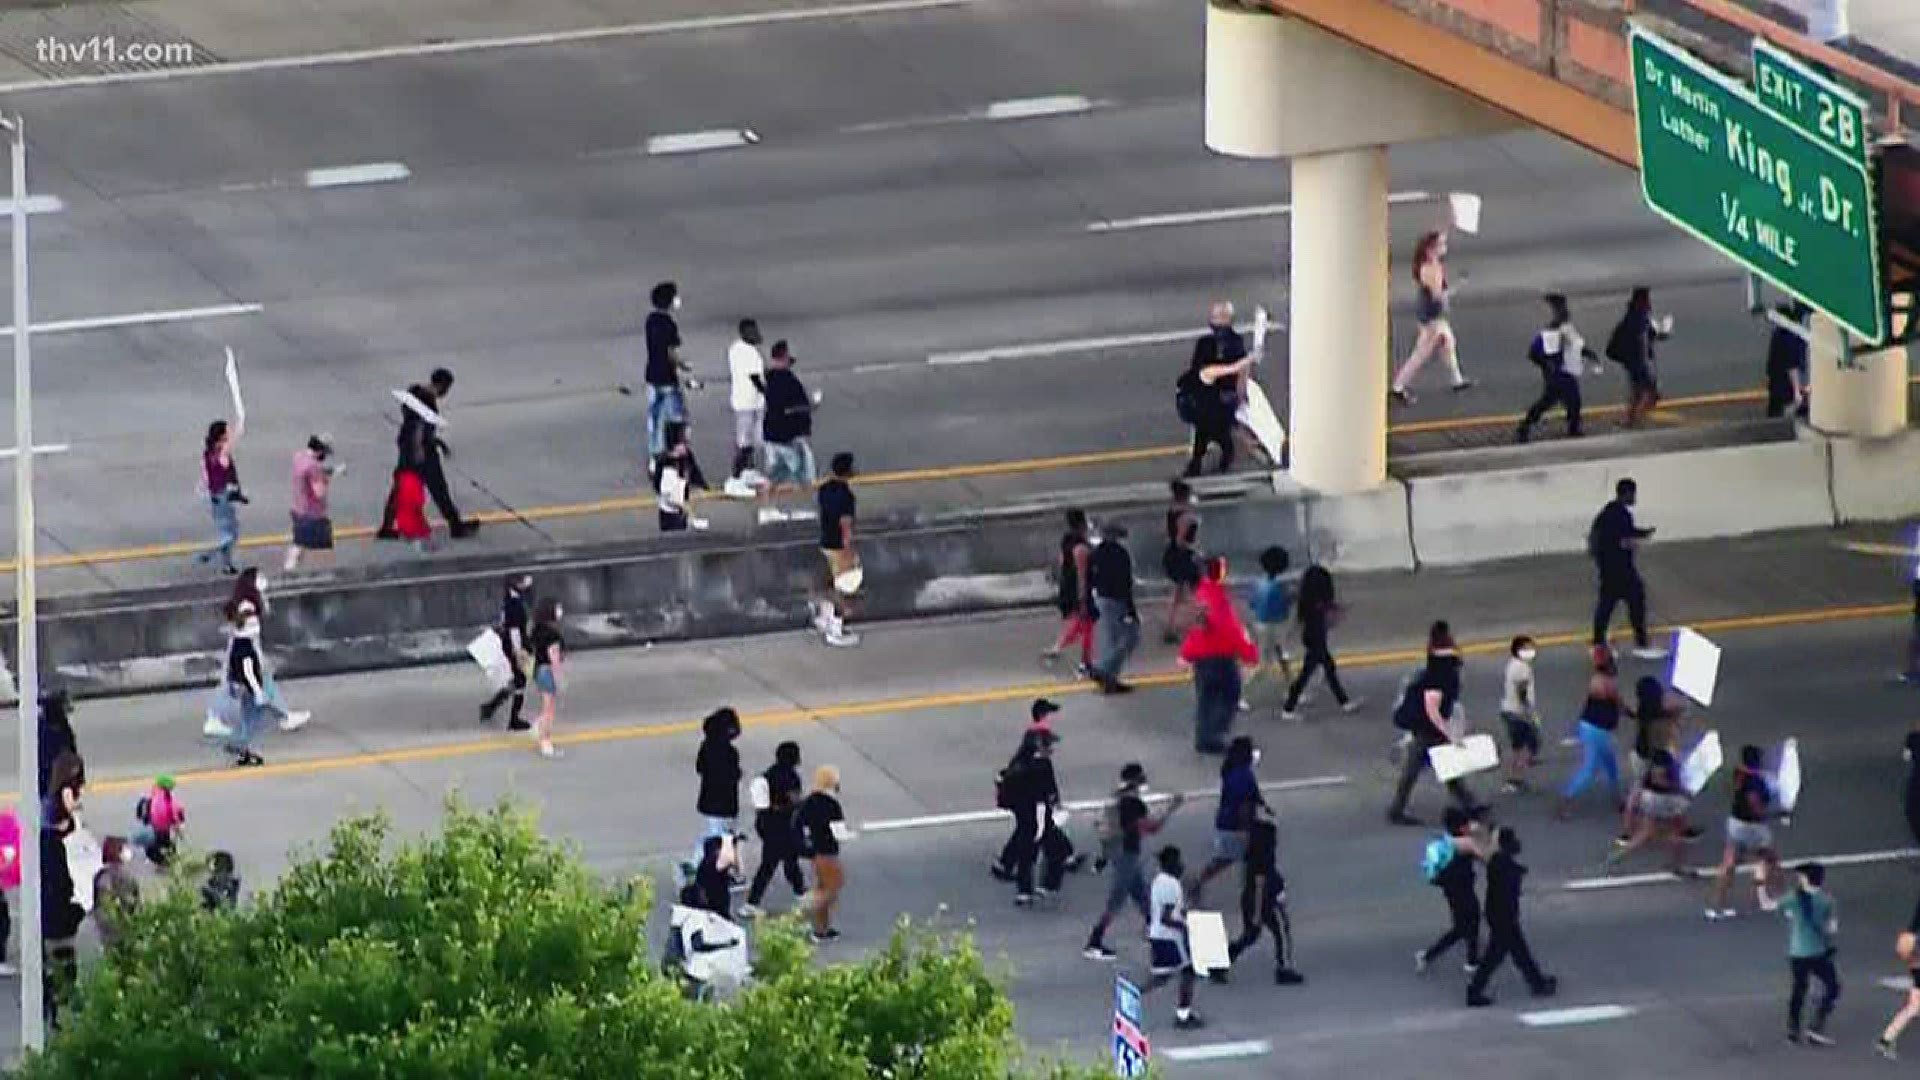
x,y
1425,712
1033,792
1125,825
1316,610
1038,722
1558,351
1504,937
1787,363
1073,602
1116,621
60,915
56,732
1455,882
1911,752
1631,346
666,401
718,763
421,449
1612,541
513,628
1263,903
1211,387
713,877
775,826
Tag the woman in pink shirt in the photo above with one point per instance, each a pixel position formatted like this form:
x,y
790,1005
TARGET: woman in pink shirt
x,y
313,472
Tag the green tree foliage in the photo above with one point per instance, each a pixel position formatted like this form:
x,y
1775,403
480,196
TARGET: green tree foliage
x,y
487,951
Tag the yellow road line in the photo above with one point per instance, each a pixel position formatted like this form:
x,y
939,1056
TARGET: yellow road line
x,y
919,703
640,503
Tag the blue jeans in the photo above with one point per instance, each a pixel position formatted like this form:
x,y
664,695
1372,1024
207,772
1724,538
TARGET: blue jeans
x,y
226,529
1216,693
1596,756
1117,634
248,711
665,405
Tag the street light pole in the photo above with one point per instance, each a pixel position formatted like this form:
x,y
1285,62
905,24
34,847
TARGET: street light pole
x,y
33,1016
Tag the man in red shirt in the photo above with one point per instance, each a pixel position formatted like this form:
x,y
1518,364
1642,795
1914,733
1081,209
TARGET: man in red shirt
x,y
1216,647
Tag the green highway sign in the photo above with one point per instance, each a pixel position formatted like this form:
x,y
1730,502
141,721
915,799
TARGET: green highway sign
x,y
1782,202
1810,101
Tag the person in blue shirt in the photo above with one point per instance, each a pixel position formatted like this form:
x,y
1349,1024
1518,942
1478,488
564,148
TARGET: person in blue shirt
x,y
1812,921
1272,607
1240,804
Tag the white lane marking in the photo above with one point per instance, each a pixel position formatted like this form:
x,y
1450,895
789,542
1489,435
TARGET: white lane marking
x,y
1584,1014
693,142
51,448
1628,881
1229,213
139,318
1033,107
974,817
376,172
1225,1051
514,41
869,369
1069,345
1896,982
36,204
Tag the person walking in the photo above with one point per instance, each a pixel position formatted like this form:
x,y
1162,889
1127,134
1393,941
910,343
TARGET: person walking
x,y
1520,712
1181,560
1505,938
1749,838
1911,755
1812,921
549,662
1167,938
1787,374
1911,675
838,509
1448,865
220,477
676,476
1116,620
1318,610
717,763
1216,648
787,434
1125,825
1631,345
1426,712
1074,598
1433,305
1012,786
313,473
1263,903
246,682
1612,540
1659,814
1558,350
774,824
822,827
1033,795
250,588
421,450
513,627
666,400
746,393
1241,805
1272,610
1599,719
1904,947
1209,392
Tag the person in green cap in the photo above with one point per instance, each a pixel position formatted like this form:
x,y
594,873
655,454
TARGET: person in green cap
x,y
161,817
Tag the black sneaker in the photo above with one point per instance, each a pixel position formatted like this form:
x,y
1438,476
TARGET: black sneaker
x,y
1478,1001
1288,977
464,530
248,760
1099,952
999,871
387,534
1548,987
519,725
821,937
1189,1022
1793,1037
1218,977
487,712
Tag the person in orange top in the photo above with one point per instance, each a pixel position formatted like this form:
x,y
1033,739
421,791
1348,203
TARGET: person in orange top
x,y
1216,647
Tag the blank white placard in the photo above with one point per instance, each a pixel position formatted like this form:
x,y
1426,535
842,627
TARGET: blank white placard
x,y
1696,666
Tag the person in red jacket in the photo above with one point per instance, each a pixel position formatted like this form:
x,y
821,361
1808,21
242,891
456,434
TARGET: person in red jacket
x,y
1216,647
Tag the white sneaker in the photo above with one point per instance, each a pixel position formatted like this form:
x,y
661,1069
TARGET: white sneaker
x,y
1650,652
698,524
1245,705
295,720
753,478
748,911
771,515
737,487
842,639
215,728
549,751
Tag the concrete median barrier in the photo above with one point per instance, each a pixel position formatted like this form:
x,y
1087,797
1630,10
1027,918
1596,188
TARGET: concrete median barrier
x,y
1876,479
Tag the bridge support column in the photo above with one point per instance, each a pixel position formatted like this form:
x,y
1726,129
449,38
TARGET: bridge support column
x,y
1867,399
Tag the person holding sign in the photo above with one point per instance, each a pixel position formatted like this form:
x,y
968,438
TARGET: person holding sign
x,y
221,480
1431,308
1207,396
1558,350
1748,836
1425,712
1631,346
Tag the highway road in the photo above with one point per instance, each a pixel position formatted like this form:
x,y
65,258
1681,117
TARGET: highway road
x,y
984,227
919,719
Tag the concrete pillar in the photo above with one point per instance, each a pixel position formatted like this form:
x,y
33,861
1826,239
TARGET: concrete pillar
x,y
1337,322
1866,400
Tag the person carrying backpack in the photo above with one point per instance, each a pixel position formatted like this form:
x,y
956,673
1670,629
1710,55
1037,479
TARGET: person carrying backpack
x,y
1426,711
1631,346
160,815
1208,393
1557,350
1447,864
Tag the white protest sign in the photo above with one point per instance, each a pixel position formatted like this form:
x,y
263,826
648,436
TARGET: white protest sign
x,y
1475,753
419,408
233,388
1464,206
1786,776
1700,765
1207,937
491,655
1261,324
1696,666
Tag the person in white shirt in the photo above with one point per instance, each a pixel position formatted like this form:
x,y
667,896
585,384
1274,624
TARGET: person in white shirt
x,y
746,369
1167,936
1558,350
1521,711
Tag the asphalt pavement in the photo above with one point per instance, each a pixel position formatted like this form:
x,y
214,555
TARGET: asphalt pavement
x,y
921,715
958,215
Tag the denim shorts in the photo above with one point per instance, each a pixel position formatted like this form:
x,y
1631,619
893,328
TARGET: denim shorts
x,y
790,463
543,678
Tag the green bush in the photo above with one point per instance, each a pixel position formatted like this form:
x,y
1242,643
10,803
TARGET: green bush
x,y
488,951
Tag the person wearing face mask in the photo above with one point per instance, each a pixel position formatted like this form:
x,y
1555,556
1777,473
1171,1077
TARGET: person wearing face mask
x,y
1209,392
251,588
1426,712
666,401
313,473
1812,921
1504,936
549,658
1124,827
512,627
1520,711
246,681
